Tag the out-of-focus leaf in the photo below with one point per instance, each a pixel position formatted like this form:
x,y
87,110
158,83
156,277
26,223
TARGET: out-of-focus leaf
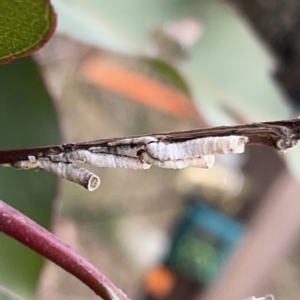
x,y
7,294
292,158
117,25
25,26
168,73
228,65
27,119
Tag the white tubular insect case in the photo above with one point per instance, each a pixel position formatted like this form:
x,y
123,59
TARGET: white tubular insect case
x,y
103,160
71,172
197,147
205,162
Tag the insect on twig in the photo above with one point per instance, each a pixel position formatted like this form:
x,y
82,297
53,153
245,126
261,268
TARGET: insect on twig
x,y
173,150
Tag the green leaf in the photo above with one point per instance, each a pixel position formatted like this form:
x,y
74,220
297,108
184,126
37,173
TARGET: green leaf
x,y
25,26
167,73
27,119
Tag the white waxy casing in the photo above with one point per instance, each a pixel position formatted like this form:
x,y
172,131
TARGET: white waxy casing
x,y
109,160
71,172
205,162
196,148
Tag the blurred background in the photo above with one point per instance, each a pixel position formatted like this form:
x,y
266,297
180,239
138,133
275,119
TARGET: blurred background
x,y
117,68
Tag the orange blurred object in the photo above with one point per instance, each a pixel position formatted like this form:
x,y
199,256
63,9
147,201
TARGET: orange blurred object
x,y
139,88
160,282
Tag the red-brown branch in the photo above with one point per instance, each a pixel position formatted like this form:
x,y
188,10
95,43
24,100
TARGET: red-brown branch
x,y
18,226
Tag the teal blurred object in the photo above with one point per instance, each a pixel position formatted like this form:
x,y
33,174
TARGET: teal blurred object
x,y
203,243
201,246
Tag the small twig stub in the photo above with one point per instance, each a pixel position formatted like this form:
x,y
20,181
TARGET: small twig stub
x,y
173,150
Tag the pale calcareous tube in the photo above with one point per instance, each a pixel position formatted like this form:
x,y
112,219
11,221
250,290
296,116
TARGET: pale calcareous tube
x,y
71,172
205,162
197,147
108,160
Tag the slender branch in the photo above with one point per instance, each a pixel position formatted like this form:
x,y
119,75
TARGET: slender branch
x,y
29,233
278,134
173,150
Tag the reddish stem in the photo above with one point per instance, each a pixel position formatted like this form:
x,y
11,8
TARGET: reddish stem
x,y
29,233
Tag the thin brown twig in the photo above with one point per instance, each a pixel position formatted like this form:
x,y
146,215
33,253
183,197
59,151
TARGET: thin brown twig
x,y
278,134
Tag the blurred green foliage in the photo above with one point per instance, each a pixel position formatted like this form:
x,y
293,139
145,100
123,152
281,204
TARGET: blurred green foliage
x,y
227,66
27,119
